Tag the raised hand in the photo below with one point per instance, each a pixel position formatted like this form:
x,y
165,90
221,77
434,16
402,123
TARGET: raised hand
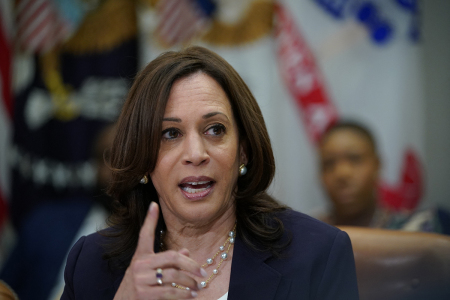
x,y
146,267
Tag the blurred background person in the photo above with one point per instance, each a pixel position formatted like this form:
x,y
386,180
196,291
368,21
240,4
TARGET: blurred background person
x,y
350,169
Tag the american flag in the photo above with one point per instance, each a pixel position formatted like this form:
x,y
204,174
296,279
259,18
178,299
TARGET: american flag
x,y
182,20
39,25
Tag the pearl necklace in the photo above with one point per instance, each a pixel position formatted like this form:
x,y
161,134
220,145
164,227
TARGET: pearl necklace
x,y
224,249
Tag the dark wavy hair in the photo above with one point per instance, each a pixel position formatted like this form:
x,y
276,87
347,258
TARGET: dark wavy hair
x,y
136,147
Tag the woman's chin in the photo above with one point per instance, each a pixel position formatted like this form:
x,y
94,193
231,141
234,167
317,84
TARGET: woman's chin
x,y
199,215
201,212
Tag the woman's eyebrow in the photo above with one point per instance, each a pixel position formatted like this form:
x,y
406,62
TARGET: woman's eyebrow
x,y
172,120
207,116
212,114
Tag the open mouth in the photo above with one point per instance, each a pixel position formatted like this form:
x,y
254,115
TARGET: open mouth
x,y
196,187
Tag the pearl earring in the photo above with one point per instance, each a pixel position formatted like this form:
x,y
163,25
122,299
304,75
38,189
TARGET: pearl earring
x,y
144,180
242,170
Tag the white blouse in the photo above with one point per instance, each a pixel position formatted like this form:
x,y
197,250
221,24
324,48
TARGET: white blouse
x,y
224,297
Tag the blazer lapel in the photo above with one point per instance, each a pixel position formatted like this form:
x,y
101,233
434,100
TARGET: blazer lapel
x,y
251,277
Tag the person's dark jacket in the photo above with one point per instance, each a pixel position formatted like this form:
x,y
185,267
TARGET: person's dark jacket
x,y
317,264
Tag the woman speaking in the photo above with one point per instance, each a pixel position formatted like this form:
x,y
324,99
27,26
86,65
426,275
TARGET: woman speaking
x,y
191,163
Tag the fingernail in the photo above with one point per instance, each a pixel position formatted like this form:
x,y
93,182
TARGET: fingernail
x,y
151,205
194,294
203,272
199,286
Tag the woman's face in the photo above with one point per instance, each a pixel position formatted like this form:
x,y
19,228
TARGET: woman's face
x,y
197,167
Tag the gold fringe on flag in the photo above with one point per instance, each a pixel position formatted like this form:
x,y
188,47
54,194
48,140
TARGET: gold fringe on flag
x,y
257,22
111,24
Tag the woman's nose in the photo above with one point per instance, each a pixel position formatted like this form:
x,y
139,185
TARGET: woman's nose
x,y
195,151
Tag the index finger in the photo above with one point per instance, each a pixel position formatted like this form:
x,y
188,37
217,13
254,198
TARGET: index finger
x,y
147,233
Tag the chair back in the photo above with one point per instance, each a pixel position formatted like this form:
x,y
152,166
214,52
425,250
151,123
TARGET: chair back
x,y
400,265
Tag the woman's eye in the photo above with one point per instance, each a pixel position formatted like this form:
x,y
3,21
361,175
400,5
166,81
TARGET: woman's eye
x,y
170,134
217,129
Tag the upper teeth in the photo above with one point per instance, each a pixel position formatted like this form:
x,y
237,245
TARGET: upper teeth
x,y
197,182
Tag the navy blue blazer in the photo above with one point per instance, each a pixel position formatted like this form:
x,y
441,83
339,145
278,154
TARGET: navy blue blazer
x,y
317,264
